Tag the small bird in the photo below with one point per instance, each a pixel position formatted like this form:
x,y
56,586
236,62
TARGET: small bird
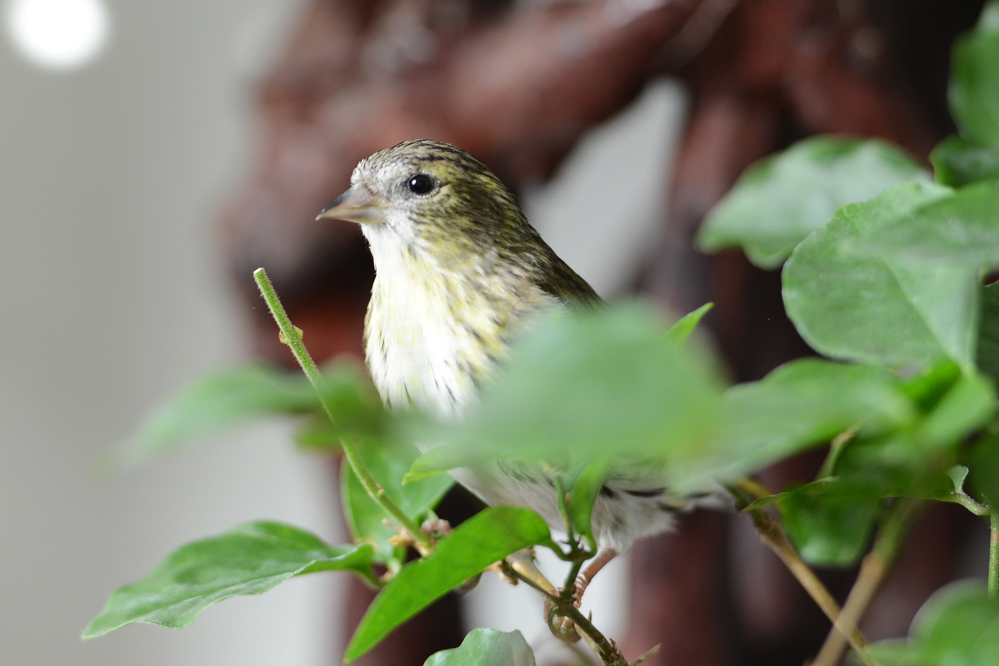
x,y
458,272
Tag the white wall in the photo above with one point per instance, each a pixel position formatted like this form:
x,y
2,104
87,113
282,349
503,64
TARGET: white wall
x,y
111,296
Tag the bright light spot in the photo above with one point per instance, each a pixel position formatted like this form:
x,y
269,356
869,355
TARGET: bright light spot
x,y
61,34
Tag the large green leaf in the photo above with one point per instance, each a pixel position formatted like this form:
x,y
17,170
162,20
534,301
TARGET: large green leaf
x,y
958,162
231,396
957,626
799,405
852,303
781,199
578,387
487,537
974,83
388,463
249,559
486,647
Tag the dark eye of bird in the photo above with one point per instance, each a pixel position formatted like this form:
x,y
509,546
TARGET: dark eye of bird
x,y
420,183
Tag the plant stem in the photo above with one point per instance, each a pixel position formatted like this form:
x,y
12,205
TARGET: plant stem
x,y
968,503
293,338
994,557
873,570
773,535
603,646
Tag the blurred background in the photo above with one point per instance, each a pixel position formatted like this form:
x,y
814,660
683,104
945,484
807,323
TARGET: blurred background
x,y
153,154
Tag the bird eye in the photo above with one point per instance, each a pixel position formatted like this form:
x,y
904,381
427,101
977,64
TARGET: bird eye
x,y
420,183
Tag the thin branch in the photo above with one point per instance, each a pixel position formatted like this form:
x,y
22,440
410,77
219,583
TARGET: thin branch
x,y
293,338
773,535
605,648
873,570
994,557
968,503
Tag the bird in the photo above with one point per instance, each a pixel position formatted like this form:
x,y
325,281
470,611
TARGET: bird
x,y
459,271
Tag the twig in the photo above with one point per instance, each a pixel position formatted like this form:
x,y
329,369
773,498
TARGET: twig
x,y
293,338
994,557
873,570
773,535
648,655
605,648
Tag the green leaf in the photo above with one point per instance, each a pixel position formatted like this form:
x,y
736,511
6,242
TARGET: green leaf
x,y
388,463
850,303
583,495
974,80
487,537
781,199
249,559
486,647
681,330
918,461
962,229
231,396
831,528
578,386
984,465
957,626
987,354
958,162
801,404
966,407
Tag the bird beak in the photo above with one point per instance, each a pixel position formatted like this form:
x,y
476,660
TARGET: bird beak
x,y
358,204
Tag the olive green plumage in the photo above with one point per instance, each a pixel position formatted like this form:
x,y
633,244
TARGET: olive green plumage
x,y
459,271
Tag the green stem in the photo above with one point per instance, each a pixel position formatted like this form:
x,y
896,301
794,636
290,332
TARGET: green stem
x,y
994,557
293,338
968,503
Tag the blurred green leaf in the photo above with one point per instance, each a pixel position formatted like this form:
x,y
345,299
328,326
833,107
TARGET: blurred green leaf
x,y
801,404
579,385
929,384
831,528
487,647
681,330
781,199
919,460
850,303
487,537
987,354
974,79
898,465
248,559
984,465
966,407
957,626
388,463
958,162
231,396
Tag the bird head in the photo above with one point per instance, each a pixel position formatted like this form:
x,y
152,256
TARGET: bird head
x,y
434,198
